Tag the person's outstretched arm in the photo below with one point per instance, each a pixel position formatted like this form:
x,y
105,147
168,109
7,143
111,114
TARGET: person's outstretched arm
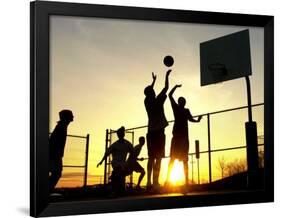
x,y
191,119
173,90
107,153
173,102
162,95
153,79
166,87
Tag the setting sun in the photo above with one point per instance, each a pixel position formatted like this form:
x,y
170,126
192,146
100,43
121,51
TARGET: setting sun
x,y
177,174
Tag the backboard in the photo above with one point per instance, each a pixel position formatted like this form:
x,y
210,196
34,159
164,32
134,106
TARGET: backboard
x,y
225,58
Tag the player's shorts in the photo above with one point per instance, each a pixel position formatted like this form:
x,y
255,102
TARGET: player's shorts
x,y
156,144
134,167
118,166
179,148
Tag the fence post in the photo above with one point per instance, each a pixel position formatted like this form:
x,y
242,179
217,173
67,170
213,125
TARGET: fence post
x,y
209,148
109,160
192,168
198,171
86,160
131,177
105,161
197,155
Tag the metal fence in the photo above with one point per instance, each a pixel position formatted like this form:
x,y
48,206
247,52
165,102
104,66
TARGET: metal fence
x,y
75,164
221,135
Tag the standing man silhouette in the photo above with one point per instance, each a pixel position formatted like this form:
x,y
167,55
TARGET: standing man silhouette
x,y
57,144
180,141
157,122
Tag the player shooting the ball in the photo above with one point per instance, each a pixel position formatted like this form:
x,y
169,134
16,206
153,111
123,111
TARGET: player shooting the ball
x,y
157,123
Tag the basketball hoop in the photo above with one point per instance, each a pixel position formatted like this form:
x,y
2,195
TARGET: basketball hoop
x,y
225,58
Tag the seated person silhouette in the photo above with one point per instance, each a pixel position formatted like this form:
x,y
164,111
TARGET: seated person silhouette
x,y
180,140
119,151
132,162
57,144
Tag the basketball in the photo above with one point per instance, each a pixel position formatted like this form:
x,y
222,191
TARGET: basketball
x,y
168,61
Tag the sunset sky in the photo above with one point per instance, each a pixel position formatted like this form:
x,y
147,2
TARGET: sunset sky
x,y
100,67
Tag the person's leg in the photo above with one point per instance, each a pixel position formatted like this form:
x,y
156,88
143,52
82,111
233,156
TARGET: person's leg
x,y
156,171
118,178
117,181
139,169
53,180
185,161
114,180
150,164
150,158
170,166
141,177
56,173
160,153
185,165
122,183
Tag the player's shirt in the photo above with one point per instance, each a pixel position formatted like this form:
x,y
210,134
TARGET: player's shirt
x,y
182,116
134,155
155,111
119,151
57,141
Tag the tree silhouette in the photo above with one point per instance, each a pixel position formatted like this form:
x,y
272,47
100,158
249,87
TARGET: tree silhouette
x,y
222,165
236,166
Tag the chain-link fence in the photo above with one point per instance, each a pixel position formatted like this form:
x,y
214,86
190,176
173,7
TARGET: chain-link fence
x,y
222,141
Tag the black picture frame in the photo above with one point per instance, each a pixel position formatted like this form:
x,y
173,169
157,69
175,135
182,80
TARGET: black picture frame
x,y
39,108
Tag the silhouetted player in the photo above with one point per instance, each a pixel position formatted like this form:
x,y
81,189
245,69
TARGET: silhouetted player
x,y
180,140
156,128
132,162
57,143
119,151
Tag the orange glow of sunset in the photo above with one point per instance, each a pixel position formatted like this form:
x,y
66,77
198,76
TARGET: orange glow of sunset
x,y
177,174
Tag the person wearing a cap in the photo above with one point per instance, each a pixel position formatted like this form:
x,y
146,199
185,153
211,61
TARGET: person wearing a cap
x,y
157,123
57,144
